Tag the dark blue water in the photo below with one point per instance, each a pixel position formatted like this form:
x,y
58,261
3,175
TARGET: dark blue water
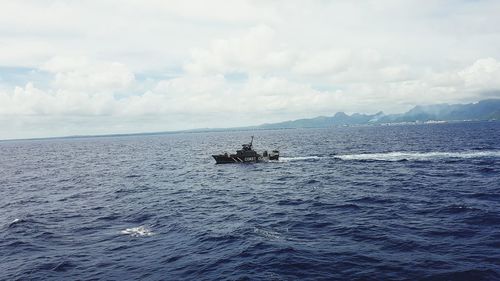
x,y
369,203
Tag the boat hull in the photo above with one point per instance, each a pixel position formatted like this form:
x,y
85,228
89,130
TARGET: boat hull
x,y
229,159
246,155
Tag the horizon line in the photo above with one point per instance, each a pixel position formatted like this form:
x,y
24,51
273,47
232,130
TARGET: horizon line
x,y
244,128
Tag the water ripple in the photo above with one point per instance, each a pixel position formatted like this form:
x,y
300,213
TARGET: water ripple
x,y
364,203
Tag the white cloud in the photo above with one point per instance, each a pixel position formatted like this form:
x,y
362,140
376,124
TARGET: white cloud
x,y
214,94
80,74
484,74
151,65
31,101
323,62
254,52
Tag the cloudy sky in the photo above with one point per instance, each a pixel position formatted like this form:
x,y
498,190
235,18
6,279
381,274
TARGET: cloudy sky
x,y
98,67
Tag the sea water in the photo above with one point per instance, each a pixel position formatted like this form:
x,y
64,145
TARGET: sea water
x,y
372,203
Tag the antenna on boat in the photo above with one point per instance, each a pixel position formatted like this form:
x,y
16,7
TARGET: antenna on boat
x,y
251,142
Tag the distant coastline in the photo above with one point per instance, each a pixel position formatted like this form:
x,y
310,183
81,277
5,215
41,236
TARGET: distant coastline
x,y
484,110
480,111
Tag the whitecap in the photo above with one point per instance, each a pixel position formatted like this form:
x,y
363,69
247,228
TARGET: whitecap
x,y
137,231
267,233
14,222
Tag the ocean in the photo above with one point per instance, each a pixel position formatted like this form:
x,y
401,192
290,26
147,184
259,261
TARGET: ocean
x,y
405,202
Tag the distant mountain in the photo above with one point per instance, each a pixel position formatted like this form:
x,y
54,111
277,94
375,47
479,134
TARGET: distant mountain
x,y
482,110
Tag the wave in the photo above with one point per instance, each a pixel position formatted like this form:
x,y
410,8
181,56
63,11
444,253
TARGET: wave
x,y
418,156
17,221
137,231
270,234
13,223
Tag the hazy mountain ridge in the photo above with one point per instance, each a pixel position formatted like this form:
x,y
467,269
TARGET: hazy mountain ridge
x,y
479,111
482,110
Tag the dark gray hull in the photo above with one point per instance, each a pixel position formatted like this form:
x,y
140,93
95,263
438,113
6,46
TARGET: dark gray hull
x,y
228,159
246,155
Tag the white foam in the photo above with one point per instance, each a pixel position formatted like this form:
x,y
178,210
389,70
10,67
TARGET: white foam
x,y
267,233
399,155
15,221
290,159
137,231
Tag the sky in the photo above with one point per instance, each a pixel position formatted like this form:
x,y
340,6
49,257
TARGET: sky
x,y
106,67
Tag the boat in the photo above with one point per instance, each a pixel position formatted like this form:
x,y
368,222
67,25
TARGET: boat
x,y
246,155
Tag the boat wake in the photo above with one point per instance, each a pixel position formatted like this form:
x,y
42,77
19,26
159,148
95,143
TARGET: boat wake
x,y
401,156
303,158
418,156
